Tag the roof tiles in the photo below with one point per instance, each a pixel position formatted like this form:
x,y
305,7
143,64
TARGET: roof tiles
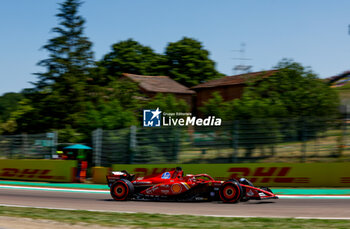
x,y
233,80
158,84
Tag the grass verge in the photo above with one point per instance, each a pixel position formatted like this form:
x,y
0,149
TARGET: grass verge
x,y
142,220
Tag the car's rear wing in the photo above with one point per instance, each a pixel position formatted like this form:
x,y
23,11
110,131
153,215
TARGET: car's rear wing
x,y
117,175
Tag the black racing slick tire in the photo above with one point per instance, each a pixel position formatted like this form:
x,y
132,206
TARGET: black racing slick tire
x,y
230,192
122,190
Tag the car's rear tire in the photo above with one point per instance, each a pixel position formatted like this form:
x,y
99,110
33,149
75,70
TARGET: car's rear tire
x,y
230,191
122,190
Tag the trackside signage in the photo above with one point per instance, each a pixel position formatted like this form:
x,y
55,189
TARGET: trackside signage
x,y
38,170
155,118
261,174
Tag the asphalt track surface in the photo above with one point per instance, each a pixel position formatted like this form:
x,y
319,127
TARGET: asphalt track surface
x,y
298,208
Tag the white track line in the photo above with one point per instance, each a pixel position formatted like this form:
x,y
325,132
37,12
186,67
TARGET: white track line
x,y
314,196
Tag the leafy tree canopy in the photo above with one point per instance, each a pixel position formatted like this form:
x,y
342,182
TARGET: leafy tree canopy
x,y
16,120
297,89
188,62
9,103
293,91
289,105
167,103
70,52
115,106
61,93
130,57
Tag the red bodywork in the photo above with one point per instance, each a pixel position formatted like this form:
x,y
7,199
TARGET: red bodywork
x,y
173,185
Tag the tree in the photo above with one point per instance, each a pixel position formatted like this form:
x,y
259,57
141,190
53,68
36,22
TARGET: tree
x,y
254,119
298,90
310,104
116,106
130,57
17,118
215,106
188,62
60,94
70,52
9,103
292,104
167,103
291,92
164,141
108,115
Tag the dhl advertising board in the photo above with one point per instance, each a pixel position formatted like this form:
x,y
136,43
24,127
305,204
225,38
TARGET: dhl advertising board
x,y
266,174
38,170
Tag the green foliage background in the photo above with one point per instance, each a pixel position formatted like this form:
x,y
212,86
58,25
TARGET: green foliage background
x,y
290,104
76,94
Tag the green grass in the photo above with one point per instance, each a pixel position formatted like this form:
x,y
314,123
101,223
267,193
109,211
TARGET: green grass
x,y
142,220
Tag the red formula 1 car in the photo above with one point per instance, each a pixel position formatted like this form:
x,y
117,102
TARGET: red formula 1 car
x,y
172,185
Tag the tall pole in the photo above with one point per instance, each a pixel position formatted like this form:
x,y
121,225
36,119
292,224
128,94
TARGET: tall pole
x,y
241,67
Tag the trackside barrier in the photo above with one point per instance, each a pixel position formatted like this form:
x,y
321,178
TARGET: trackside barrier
x,y
38,170
267,174
99,175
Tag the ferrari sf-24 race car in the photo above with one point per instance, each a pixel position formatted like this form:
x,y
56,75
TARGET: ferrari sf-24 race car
x,y
172,185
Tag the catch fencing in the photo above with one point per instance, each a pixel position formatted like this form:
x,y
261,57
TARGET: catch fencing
x,y
267,140
28,146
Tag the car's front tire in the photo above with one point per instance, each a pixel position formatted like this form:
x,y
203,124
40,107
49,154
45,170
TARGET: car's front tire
x,y
230,191
122,190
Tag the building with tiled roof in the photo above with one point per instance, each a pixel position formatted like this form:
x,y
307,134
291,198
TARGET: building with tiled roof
x,y
341,83
152,85
229,87
339,80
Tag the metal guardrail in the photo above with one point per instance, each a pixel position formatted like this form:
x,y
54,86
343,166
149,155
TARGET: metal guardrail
x,y
239,141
